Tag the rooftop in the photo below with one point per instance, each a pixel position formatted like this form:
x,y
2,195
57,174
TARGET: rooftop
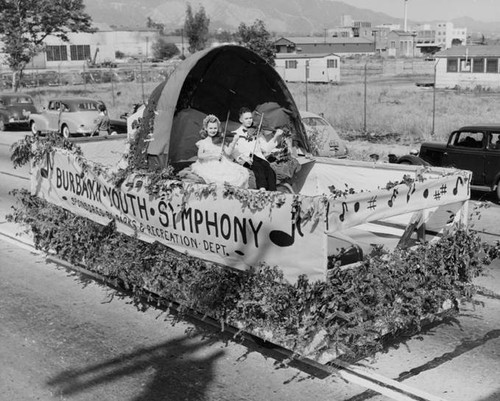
x,y
302,40
303,55
470,51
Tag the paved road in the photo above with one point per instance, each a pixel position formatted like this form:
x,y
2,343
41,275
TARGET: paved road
x,y
65,337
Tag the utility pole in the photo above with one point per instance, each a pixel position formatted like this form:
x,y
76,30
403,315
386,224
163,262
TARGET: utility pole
x,y
434,99
364,102
406,16
182,42
307,78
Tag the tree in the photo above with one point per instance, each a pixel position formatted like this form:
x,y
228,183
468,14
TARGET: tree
x,y
164,50
155,25
196,28
25,24
257,38
225,36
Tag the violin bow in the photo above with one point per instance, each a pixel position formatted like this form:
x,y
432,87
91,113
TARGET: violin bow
x,y
257,135
224,135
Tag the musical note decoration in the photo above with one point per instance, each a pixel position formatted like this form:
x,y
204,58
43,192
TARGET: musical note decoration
x,y
394,195
344,209
282,238
411,191
459,180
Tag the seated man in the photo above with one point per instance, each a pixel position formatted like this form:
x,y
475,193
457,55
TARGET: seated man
x,y
248,153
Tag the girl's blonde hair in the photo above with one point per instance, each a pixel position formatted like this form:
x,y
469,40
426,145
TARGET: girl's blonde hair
x,y
207,120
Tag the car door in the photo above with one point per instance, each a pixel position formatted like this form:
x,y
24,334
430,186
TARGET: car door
x,y
53,112
466,151
492,158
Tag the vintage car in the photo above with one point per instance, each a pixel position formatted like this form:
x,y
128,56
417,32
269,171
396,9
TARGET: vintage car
x,y
475,148
323,138
71,116
15,110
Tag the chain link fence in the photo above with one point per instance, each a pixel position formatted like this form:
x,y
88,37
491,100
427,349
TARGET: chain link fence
x,y
87,76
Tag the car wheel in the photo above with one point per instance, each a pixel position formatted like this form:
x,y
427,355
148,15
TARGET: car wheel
x,y
34,129
65,131
2,125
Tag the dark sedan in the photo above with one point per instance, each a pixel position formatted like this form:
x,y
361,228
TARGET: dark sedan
x,y
15,110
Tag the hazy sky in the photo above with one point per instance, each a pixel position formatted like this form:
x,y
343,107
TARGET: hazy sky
x,y
428,10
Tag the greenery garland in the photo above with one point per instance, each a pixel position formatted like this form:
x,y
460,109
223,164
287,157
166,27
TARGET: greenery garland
x,y
352,312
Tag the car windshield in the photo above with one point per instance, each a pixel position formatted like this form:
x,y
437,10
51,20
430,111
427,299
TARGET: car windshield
x,y
23,100
315,122
87,106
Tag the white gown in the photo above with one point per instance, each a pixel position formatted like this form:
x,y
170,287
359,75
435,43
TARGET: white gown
x,y
212,170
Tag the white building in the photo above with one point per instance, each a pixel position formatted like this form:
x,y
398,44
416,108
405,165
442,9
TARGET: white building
x,y
468,67
98,47
446,33
320,67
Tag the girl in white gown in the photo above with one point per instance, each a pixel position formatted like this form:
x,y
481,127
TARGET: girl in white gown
x,y
214,164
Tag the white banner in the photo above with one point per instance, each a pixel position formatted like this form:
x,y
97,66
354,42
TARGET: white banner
x,y
233,227
451,189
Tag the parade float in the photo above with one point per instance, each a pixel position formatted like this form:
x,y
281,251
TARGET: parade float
x,y
336,213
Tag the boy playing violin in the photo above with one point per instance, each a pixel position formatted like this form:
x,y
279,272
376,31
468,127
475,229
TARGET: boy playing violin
x,y
247,151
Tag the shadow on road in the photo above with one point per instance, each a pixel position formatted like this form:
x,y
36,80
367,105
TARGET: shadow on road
x,y
173,372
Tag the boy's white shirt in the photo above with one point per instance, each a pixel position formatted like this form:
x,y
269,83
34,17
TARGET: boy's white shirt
x,y
243,148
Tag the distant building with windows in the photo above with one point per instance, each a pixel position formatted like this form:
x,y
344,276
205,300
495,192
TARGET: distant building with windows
x,y
401,44
351,29
468,67
324,45
101,46
447,35
315,67
425,39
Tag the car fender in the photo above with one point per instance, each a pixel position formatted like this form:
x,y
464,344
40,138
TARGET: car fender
x,y
74,121
41,122
412,159
4,116
495,181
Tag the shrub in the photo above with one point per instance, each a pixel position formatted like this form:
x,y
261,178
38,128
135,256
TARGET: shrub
x,y
354,310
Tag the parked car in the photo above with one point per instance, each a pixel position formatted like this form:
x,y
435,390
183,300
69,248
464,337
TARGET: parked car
x,y
15,110
71,116
474,148
323,138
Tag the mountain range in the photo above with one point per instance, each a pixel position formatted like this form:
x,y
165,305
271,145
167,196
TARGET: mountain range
x,y
297,17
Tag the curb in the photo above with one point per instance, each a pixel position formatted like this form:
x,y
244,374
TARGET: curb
x,y
15,239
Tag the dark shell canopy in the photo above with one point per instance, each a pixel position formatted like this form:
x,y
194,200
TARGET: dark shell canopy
x,y
215,81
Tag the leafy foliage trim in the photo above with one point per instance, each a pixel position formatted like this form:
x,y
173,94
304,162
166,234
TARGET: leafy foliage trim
x,y
351,312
